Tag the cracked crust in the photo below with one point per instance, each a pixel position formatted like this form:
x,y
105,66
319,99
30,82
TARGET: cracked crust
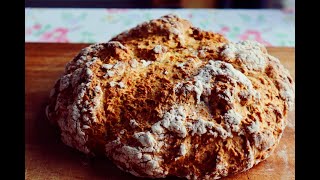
x,y
168,99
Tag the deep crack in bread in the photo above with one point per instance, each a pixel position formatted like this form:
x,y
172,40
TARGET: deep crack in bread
x,y
168,99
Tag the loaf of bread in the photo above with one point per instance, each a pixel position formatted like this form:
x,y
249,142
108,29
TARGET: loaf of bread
x,y
168,99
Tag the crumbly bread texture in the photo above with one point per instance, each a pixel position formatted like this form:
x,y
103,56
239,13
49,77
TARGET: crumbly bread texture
x,y
168,99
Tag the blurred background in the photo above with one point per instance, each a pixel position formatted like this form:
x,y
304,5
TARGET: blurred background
x,y
270,22
250,4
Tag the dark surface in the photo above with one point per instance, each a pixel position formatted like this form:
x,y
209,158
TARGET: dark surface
x,y
90,4
236,4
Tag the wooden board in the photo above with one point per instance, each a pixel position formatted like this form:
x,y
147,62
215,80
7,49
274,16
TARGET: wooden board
x,y
47,158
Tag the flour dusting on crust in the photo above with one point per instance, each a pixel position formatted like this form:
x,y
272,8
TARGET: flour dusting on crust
x,y
169,99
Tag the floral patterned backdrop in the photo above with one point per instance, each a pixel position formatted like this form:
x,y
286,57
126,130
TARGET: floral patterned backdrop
x,y
268,26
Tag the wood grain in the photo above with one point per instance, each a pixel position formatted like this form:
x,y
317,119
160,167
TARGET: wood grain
x,y
47,158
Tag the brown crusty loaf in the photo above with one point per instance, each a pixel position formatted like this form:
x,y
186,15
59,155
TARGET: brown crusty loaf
x,y
168,99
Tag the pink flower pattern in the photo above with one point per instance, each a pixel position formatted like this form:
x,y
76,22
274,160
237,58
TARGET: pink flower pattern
x,y
224,30
254,35
56,35
33,28
269,27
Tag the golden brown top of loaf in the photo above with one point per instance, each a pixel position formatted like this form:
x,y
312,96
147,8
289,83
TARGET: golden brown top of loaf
x,y
168,99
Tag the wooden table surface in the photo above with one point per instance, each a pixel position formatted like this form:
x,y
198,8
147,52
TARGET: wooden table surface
x,y
47,158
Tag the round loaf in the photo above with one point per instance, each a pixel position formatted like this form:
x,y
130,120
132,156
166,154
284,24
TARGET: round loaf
x,y
168,99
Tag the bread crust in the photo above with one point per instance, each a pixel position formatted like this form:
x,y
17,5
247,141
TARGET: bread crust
x,y
168,99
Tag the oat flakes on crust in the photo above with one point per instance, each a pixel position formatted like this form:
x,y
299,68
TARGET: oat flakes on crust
x,y
168,99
